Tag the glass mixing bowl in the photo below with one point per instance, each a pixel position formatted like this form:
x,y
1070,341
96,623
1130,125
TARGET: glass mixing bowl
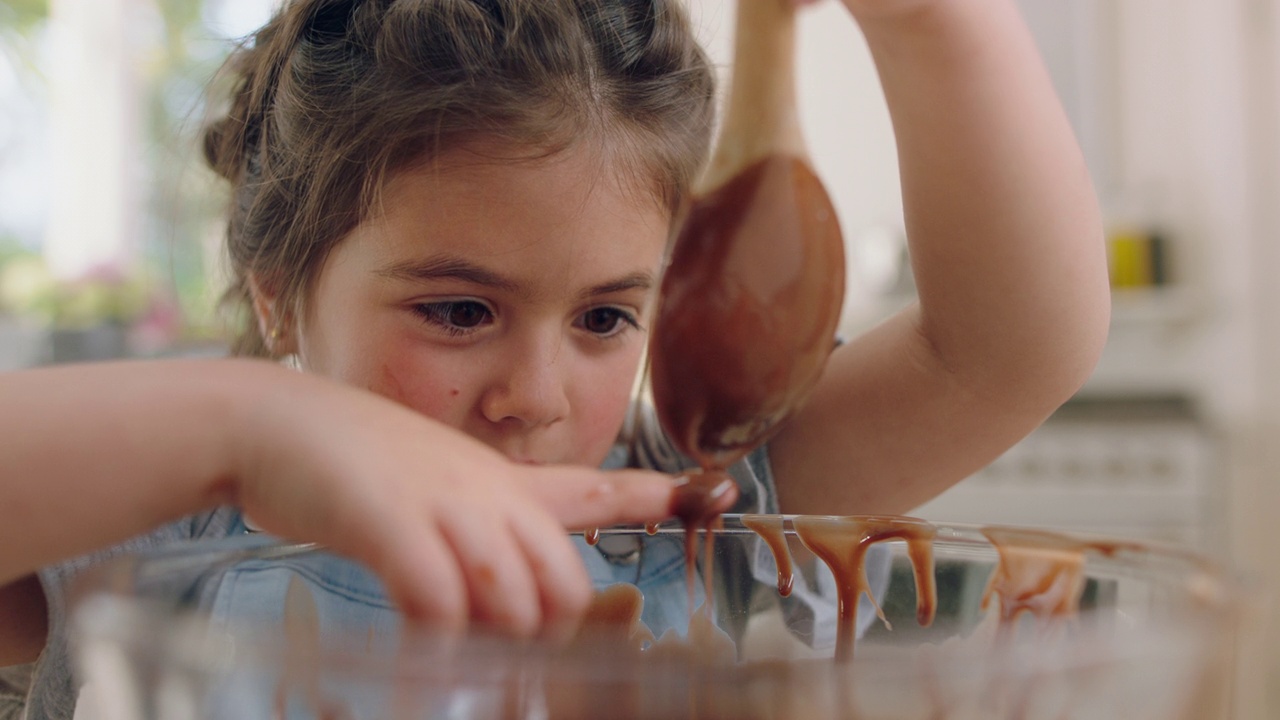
x,y
1025,625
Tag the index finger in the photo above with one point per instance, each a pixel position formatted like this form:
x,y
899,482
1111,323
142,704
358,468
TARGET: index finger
x,y
586,497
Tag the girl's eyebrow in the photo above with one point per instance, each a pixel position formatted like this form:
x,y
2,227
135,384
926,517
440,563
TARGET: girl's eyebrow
x,y
453,268
445,267
634,281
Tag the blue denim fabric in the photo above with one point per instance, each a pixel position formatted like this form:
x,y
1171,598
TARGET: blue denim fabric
x,y
660,576
349,597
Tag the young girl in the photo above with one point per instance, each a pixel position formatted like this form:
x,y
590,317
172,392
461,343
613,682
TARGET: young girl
x,y
462,206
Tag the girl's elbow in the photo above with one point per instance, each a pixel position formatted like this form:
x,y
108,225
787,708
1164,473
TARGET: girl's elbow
x,y
1073,356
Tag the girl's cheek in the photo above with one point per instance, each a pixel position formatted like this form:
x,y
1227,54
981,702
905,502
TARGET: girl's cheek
x,y
602,420
418,388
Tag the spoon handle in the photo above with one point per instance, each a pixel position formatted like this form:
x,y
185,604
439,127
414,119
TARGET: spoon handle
x,y
761,118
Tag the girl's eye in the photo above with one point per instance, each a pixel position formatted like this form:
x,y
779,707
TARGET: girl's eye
x,y
457,316
607,321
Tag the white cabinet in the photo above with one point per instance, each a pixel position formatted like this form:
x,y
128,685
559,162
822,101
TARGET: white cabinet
x,y
1142,469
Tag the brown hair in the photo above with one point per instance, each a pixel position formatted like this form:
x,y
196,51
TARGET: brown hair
x,y
332,97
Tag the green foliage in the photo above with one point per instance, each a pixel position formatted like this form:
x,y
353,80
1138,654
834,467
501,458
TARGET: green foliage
x,y
9,247
22,15
28,289
19,20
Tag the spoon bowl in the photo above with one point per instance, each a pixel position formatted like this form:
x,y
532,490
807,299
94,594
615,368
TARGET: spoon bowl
x,y
751,298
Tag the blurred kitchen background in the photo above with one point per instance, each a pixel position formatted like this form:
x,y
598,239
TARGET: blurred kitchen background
x,y
110,241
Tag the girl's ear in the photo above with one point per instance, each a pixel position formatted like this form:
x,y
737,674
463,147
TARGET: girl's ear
x,y
275,323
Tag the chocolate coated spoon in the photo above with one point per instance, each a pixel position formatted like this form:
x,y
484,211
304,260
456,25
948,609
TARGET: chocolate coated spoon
x,y
749,303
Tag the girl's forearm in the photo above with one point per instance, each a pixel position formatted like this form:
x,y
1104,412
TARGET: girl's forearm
x,y
93,454
1004,227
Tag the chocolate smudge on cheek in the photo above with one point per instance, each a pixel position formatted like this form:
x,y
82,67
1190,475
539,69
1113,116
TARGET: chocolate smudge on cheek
x,y
390,386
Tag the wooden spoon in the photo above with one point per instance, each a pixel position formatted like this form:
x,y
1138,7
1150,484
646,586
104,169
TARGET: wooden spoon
x,y
749,303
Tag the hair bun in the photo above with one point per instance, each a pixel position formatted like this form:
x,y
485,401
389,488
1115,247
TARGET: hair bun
x,y
330,21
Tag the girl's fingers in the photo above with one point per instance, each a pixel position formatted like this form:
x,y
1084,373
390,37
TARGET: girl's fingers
x,y
498,579
585,497
508,564
564,588
421,573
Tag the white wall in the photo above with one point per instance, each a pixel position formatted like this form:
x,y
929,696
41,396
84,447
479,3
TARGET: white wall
x,y
1256,487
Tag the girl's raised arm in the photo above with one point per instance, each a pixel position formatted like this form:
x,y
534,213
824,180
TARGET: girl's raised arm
x,y
1007,248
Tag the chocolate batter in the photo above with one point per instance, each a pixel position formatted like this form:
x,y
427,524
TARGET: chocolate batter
x,y
1041,573
748,310
771,528
842,544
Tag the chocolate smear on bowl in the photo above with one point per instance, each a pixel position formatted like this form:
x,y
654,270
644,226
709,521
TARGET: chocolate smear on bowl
x,y
1041,573
772,529
842,544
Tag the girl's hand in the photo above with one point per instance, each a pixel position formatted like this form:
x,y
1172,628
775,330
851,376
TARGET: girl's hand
x,y
457,532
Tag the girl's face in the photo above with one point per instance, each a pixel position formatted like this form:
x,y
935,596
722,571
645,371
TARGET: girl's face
x,y
503,299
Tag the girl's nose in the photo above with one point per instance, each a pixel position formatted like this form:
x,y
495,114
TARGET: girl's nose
x,y
531,391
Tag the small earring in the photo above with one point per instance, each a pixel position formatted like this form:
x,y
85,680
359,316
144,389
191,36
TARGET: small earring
x,y
274,334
